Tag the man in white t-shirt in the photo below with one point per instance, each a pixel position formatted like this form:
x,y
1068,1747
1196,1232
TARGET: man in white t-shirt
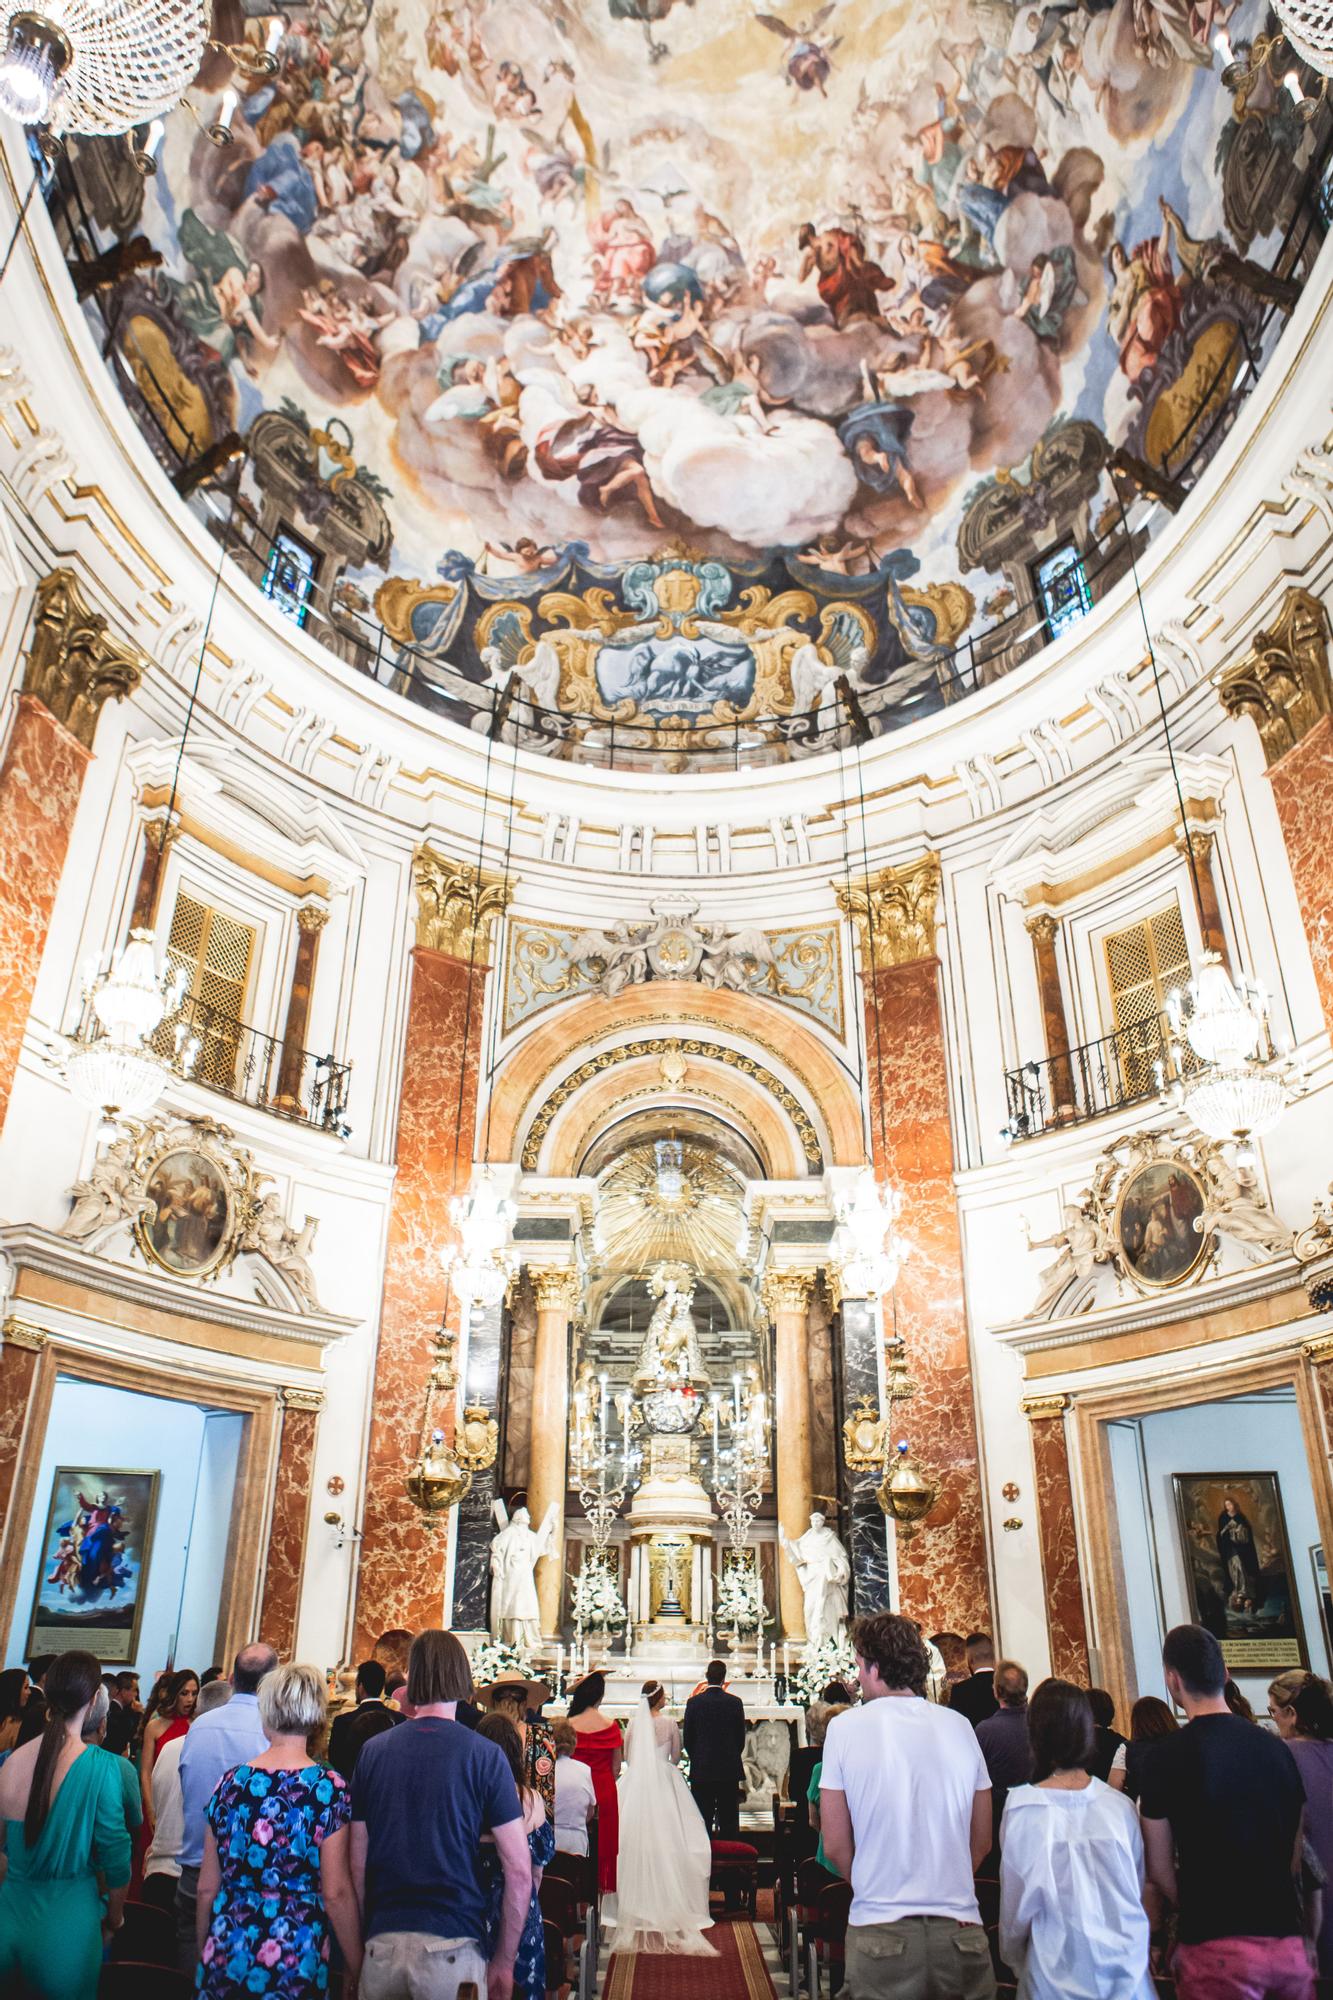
x,y
904,1805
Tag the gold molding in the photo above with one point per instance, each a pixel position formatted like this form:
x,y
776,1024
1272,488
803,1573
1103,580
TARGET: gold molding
x,y
1282,683
22,1333
895,913
1038,1407
74,664
153,798
312,917
1319,1350
787,1291
301,1399
457,905
555,1288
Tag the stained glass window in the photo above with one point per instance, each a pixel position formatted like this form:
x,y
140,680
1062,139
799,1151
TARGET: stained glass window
x,y
1062,588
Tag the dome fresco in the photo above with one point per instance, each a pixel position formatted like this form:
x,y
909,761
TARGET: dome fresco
x,y
690,361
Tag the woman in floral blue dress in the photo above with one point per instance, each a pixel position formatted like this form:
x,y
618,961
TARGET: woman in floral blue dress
x,y
276,1870
530,1958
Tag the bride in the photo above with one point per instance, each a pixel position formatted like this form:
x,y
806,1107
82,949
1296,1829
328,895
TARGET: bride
x,y
665,1851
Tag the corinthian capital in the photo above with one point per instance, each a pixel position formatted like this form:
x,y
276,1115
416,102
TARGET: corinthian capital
x,y
74,664
787,1291
556,1290
894,912
457,905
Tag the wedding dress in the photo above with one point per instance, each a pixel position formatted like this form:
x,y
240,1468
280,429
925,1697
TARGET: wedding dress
x,y
665,1851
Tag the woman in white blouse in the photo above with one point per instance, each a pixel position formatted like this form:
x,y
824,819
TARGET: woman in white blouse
x,y
575,1799
1072,1921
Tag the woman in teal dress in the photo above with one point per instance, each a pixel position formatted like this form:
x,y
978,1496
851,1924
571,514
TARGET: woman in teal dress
x,y
67,1846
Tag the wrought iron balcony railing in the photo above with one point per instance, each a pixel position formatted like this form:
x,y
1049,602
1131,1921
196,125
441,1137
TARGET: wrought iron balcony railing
x,y
1106,1075
222,1053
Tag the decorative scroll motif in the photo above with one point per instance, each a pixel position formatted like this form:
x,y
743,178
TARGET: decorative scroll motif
x,y
293,1398
800,968
74,664
894,913
457,906
864,1437
194,1200
1156,1216
478,1439
1282,683
660,1045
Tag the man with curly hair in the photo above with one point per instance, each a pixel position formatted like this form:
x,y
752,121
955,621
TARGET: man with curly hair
x,y
905,1811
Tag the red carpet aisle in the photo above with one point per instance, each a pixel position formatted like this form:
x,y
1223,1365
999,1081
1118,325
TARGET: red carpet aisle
x,y
737,1973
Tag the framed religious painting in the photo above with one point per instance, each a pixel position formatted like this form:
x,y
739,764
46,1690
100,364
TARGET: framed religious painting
x,y
1238,1568
1154,1227
191,1224
93,1575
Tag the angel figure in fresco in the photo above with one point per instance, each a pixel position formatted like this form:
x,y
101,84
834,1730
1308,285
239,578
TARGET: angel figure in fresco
x,y
220,305
808,58
1082,1243
848,282
623,253
1144,308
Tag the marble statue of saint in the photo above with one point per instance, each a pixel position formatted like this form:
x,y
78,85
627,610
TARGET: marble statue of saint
x,y
823,1572
516,1550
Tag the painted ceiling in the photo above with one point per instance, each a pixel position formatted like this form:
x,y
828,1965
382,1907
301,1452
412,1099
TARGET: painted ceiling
x,y
559,287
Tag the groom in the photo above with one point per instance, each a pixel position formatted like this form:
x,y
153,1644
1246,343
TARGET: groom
x,y
714,1736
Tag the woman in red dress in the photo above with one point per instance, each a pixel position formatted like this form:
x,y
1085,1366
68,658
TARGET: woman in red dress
x,y
170,1709
601,1748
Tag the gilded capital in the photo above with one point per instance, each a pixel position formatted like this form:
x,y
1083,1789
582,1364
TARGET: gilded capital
x,y
556,1289
21,1333
787,1291
312,917
1037,1407
894,913
457,905
293,1398
1042,928
1282,682
1318,1352
74,664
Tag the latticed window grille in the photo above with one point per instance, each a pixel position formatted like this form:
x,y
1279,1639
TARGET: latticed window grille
x,y
1144,964
213,951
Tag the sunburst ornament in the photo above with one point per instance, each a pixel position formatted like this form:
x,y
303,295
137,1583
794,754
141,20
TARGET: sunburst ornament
x,y
669,1201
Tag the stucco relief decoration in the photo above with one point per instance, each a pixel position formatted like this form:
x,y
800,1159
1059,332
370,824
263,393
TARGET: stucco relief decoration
x,y
182,1194
458,906
1282,683
546,963
1162,1210
584,284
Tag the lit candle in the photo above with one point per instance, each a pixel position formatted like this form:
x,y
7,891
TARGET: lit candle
x,y
228,109
736,1396
786,1659
715,1399
604,1400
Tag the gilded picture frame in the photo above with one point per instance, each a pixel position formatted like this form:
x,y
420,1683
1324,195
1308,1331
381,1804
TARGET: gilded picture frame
x,y
96,1554
192,1226
1154,1223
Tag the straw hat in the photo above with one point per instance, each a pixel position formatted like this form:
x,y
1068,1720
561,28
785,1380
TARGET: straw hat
x,y
535,1692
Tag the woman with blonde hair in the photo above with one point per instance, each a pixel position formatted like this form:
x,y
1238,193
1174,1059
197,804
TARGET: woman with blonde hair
x,y
276,1871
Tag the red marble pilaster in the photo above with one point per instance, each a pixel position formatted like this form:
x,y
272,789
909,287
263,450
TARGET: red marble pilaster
x,y
1065,1620
1302,784
401,1582
288,1532
19,1358
942,1570
40,781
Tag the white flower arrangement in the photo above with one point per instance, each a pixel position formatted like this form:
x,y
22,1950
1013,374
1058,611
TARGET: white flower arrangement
x,y
493,1658
831,1660
739,1604
595,1602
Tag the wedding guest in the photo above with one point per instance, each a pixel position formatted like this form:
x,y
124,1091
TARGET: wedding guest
x,y
1301,1706
1237,1702
601,1748
161,1868
422,1798
575,1799
530,1957
1221,1808
67,1847
355,1727
1072,1921
1106,1738
169,1714
126,1713
228,1735
94,1733
975,1697
276,1872
521,1699
1149,1720
828,1711
1006,1747
13,1695
714,1737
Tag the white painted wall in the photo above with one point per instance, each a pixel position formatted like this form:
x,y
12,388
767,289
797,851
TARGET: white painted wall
x,y
194,1450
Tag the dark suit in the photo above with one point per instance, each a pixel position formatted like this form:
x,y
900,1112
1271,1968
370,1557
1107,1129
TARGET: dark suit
x,y
352,1730
975,1697
714,1737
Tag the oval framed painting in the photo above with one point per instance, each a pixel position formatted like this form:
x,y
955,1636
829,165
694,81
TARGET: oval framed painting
x,y
1155,1223
190,1227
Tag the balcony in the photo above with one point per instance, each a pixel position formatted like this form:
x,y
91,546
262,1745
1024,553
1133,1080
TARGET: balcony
x,y
1122,1069
215,1049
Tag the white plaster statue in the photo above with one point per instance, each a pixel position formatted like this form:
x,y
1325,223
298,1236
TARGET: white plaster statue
x,y
710,953
286,1249
515,1553
620,952
112,1192
1082,1243
1236,1208
823,1572
734,959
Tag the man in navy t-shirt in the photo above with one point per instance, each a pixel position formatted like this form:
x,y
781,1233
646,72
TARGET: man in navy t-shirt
x,y
422,1797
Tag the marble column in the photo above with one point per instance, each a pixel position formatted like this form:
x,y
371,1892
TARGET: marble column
x,y
403,1551
157,835
73,667
476,1521
1199,846
943,1577
787,1301
557,1294
1065,1620
289,1531
867,1532
310,921
1043,929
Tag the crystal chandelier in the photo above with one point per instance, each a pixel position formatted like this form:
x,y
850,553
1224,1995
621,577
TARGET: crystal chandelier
x,y
481,1264
867,1246
1307,26
1241,1080
99,66
115,1070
